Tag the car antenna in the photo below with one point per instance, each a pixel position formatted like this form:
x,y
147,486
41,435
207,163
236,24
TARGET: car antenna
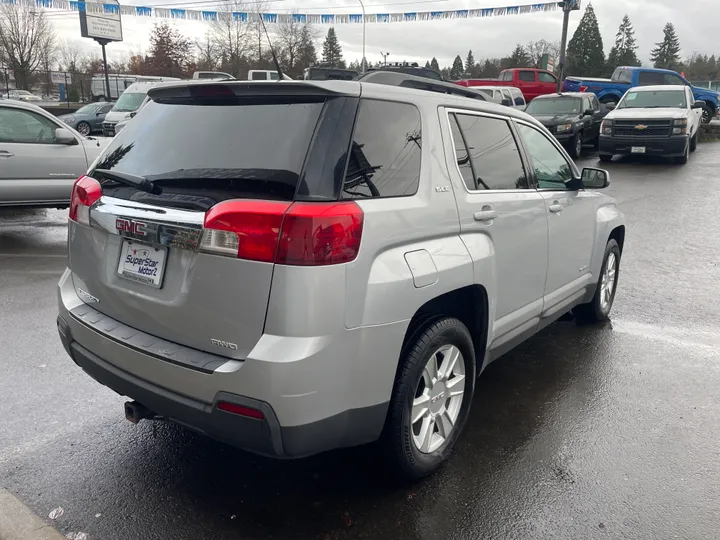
x,y
277,64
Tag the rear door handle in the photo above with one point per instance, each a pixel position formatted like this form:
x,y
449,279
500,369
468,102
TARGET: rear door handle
x,y
6,154
556,207
486,214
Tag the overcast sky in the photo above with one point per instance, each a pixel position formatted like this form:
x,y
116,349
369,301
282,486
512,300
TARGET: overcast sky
x,y
695,22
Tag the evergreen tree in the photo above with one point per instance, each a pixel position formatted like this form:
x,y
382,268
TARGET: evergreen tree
x,y
469,64
623,52
491,69
332,51
666,54
170,51
307,55
518,58
427,64
434,64
585,55
457,70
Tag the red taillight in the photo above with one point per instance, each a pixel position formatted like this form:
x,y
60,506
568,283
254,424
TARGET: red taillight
x,y
85,192
246,229
583,88
240,410
299,234
315,234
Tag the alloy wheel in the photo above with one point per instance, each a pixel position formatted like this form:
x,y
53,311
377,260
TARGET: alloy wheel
x,y
607,283
438,399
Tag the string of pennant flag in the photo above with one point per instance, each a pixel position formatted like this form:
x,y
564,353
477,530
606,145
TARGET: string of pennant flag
x,y
274,18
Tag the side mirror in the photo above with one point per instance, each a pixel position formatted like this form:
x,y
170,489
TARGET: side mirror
x,y
132,114
699,104
611,106
64,136
595,178
507,102
589,112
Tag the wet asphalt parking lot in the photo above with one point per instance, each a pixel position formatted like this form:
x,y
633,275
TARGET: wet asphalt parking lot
x,y
582,432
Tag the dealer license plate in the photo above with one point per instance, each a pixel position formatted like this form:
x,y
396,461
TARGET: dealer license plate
x,y
637,150
142,263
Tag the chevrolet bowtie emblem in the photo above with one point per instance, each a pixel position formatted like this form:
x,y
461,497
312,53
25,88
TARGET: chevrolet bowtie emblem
x,y
641,126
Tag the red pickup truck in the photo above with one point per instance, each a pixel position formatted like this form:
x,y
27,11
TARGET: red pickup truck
x,y
532,82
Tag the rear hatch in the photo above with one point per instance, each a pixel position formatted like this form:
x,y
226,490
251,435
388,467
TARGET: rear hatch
x,y
148,241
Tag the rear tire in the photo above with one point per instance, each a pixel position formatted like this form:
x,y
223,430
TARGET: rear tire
x,y
693,143
83,128
605,157
437,367
598,309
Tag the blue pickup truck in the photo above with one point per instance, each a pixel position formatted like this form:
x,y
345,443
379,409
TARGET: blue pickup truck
x,y
623,78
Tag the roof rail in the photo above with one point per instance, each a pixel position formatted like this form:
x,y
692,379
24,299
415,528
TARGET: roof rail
x,y
393,78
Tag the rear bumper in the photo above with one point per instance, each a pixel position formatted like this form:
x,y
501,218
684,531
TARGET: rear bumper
x,y
663,146
296,422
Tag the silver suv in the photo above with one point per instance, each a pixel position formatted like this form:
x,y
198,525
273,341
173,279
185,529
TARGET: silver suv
x,y
298,267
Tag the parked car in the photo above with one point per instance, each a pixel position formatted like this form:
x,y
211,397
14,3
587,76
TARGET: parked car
x,y
574,118
623,78
531,82
87,119
654,120
127,105
211,75
320,73
120,83
22,95
503,95
40,157
242,281
408,68
266,75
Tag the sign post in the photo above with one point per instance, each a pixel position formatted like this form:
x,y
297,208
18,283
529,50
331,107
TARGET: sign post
x,y
100,20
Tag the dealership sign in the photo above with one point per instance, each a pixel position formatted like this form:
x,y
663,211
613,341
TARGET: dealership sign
x,y
100,20
60,77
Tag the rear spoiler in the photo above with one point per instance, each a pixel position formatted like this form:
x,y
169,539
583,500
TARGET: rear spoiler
x,y
239,89
393,78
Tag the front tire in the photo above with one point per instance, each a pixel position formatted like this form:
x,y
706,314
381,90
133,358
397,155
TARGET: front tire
x,y
431,398
576,145
598,309
707,115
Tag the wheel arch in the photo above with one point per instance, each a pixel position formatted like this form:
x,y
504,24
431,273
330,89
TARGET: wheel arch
x,y
468,304
609,96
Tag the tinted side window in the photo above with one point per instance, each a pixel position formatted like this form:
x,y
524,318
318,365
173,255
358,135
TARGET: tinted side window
x,y
649,78
551,168
546,77
595,104
527,76
385,155
672,79
622,75
461,154
259,77
493,152
105,109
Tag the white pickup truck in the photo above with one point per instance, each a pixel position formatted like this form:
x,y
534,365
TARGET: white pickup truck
x,y
655,120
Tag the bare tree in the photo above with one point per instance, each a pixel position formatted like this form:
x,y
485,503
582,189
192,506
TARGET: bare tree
x,y
536,50
230,36
207,53
27,39
71,55
292,38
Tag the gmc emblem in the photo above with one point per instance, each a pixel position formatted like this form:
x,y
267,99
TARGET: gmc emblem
x,y
130,226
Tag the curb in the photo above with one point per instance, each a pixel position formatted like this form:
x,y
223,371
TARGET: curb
x,y
18,522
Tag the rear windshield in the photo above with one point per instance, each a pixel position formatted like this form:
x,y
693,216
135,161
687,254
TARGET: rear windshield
x,y
202,154
129,102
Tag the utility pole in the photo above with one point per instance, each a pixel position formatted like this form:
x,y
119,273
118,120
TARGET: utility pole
x,y
102,43
385,55
567,6
363,68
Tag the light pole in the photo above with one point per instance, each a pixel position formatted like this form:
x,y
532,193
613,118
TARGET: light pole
x,y
364,62
385,55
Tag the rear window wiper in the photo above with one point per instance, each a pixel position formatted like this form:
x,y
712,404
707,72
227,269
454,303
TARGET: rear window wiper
x,y
143,184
